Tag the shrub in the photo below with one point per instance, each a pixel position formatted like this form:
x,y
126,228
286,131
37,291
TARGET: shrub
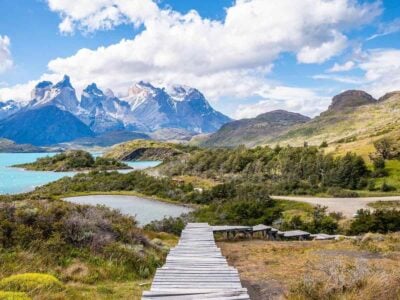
x,y
387,148
381,221
371,186
341,193
30,282
387,188
6,295
169,225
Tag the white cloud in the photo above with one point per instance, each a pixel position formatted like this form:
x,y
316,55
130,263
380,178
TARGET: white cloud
x,y
347,66
324,51
386,29
91,15
342,79
382,71
229,58
301,100
5,54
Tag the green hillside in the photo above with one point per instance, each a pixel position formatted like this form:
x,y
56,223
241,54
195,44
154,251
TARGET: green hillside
x,y
348,128
251,132
146,150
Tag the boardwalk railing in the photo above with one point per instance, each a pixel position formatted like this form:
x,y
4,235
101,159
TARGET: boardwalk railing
x,y
196,269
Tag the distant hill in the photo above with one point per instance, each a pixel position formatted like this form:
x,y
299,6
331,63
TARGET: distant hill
x,y
45,125
351,126
145,150
12,147
350,99
254,131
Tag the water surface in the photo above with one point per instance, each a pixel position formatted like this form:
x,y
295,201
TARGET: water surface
x,y
17,180
145,210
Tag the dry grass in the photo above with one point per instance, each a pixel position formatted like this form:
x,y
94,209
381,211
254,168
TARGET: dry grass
x,y
290,270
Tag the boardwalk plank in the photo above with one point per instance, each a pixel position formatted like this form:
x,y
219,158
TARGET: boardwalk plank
x,y
196,269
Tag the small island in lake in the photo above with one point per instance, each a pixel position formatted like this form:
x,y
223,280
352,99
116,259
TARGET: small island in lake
x,y
73,160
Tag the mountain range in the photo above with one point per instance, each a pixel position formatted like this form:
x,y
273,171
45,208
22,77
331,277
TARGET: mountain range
x,y
55,115
353,121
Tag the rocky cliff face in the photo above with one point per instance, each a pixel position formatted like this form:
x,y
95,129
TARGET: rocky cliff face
x,y
350,99
61,95
94,110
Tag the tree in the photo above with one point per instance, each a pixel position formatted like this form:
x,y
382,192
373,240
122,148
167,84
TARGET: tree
x,y
387,148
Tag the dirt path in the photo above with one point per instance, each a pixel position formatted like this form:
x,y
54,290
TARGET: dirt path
x,y
348,206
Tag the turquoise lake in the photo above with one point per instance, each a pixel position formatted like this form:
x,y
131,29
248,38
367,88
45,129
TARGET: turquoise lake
x,y
15,180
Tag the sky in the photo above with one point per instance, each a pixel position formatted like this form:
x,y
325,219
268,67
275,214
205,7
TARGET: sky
x,y
247,56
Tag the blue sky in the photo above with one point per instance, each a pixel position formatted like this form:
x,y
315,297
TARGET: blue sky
x,y
247,56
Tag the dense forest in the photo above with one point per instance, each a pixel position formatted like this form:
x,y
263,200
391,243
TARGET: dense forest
x,y
288,170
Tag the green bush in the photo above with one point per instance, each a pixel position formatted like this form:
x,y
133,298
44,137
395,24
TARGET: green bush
x,y
387,188
320,222
380,220
30,282
341,193
169,225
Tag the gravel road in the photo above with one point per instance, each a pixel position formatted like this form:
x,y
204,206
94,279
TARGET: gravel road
x,y
348,206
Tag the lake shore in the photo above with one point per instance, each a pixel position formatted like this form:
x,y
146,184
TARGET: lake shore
x,y
144,209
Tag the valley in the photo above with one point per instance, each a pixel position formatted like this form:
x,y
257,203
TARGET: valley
x,y
109,219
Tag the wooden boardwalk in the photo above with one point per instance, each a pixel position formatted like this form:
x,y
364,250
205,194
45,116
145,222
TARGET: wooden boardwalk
x,y
196,269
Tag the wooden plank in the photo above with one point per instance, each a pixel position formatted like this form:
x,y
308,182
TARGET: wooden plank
x,y
196,269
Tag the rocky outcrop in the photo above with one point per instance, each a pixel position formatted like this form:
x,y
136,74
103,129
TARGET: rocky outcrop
x,y
351,99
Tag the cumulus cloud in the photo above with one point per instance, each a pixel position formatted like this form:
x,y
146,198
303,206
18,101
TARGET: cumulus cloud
x,y
382,71
227,58
91,15
347,66
5,54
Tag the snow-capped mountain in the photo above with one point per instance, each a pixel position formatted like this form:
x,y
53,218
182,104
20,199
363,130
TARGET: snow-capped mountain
x,y
8,108
194,111
152,106
146,108
61,94
179,107
94,112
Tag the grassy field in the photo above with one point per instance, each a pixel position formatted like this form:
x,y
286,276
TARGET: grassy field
x,y
385,205
347,269
82,276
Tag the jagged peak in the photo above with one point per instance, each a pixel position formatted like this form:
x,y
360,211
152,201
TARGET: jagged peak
x,y
184,93
93,90
65,82
43,84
